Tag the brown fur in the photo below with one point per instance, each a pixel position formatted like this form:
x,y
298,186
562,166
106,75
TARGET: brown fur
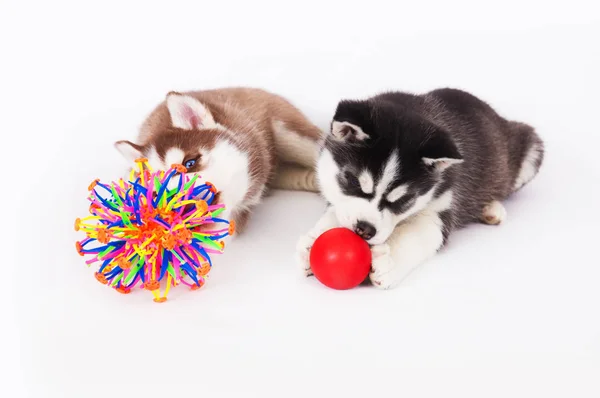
x,y
248,116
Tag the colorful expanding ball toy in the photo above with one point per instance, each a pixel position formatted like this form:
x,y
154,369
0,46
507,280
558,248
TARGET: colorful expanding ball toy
x,y
159,228
340,259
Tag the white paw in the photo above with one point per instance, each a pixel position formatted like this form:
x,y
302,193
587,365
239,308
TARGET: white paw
x,y
383,269
494,213
303,254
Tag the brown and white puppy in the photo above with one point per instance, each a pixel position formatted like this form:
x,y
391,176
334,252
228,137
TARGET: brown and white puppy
x,y
240,139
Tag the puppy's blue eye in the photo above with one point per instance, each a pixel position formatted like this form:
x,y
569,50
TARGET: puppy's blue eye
x,y
190,163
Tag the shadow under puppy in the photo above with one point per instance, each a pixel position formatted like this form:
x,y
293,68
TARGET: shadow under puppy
x,y
242,140
403,171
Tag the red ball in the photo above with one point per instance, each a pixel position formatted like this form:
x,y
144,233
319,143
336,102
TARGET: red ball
x,y
340,259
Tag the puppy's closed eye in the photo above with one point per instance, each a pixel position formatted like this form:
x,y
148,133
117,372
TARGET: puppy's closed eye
x,y
351,180
404,203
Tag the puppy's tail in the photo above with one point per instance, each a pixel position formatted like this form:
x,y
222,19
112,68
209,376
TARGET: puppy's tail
x,y
528,150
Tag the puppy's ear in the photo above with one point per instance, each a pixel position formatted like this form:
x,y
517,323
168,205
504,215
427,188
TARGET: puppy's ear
x,y
439,151
352,121
129,150
188,113
346,131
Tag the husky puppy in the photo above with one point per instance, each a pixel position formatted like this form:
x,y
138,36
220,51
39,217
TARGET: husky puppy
x,y
403,171
239,139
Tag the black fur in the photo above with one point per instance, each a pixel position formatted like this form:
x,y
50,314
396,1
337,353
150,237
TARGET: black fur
x,y
444,123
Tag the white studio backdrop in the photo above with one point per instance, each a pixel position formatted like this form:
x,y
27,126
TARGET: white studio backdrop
x,y
75,76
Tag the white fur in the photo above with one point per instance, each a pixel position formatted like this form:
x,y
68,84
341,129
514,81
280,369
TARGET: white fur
x,y
443,202
327,171
424,202
349,209
173,156
441,164
366,182
154,161
226,167
528,169
188,113
337,129
292,147
402,242
410,245
397,193
390,171
419,204
494,213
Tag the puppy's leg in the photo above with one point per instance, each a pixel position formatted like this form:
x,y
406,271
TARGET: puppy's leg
x,y
295,178
493,213
296,140
409,246
296,144
326,222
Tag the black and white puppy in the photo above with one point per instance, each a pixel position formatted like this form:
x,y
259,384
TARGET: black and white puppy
x,y
403,171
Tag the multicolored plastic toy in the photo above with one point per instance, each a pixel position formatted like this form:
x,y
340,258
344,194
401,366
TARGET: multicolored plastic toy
x,y
143,232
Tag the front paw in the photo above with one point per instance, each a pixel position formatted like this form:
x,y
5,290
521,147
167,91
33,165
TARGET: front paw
x,y
383,269
303,254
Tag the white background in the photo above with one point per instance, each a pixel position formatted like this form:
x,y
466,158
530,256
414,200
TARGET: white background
x,y
502,311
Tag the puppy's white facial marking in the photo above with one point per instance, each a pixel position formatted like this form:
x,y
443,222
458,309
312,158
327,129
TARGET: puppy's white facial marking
x,y
154,160
366,182
349,209
345,130
225,166
173,156
397,193
390,172
353,209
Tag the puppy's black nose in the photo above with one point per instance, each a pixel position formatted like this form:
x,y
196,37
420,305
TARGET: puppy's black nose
x,y
365,230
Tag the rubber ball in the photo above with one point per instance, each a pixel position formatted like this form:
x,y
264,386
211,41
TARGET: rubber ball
x,y
340,259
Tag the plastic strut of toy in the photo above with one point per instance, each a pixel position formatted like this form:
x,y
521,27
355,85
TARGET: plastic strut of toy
x,y
157,229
